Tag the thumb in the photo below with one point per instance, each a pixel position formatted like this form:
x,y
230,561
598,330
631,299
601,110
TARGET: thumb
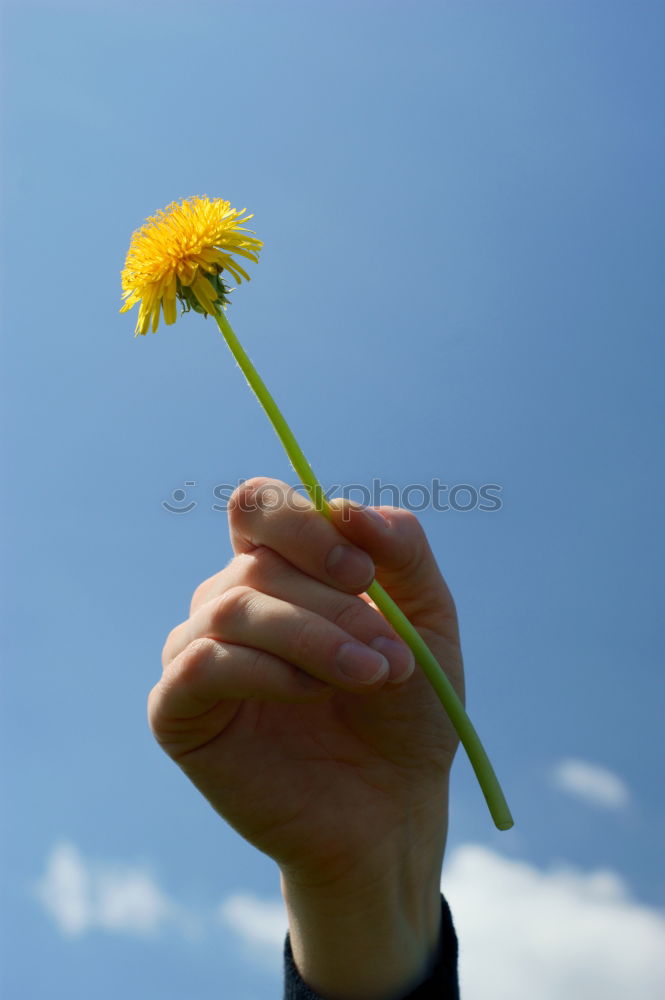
x,y
405,564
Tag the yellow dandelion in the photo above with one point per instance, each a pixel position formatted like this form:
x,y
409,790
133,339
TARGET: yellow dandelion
x,y
180,254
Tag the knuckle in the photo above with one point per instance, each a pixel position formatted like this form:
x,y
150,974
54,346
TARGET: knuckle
x,y
233,603
257,483
258,566
171,642
258,659
192,659
154,705
258,493
199,596
157,712
351,616
307,530
407,523
307,640
411,538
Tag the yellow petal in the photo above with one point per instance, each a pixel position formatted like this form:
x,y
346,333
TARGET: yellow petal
x,y
204,293
155,315
169,302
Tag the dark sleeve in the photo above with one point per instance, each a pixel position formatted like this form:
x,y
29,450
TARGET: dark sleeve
x,y
440,983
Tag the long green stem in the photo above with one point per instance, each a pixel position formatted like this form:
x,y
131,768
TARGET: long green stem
x,y
480,762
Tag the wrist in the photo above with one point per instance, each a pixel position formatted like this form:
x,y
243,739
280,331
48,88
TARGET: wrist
x,y
372,932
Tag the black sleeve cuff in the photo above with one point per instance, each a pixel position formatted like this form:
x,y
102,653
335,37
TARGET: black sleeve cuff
x,y
440,983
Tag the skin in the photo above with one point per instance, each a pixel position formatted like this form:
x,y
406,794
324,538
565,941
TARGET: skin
x,y
342,779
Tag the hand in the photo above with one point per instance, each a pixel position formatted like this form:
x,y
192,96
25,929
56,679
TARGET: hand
x,y
277,704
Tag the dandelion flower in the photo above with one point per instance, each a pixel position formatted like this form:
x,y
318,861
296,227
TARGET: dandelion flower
x,y
180,254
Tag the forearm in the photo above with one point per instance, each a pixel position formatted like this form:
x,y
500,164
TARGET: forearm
x,y
371,935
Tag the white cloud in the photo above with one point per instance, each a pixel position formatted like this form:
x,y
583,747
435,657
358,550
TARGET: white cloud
x,y
591,782
64,891
528,933
524,932
80,896
131,901
261,923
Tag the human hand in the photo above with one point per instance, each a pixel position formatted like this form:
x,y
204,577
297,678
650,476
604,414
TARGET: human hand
x,y
342,782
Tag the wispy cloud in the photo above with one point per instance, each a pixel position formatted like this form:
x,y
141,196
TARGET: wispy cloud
x,y
81,895
524,931
528,933
260,923
591,782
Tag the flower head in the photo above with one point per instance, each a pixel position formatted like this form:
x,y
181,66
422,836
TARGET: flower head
x,y
180,253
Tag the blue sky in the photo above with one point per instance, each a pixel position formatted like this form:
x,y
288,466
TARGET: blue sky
x,y
462,209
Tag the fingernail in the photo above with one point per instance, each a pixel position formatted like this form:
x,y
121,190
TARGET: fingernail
x,y
376,517
350,568
400,657
360,664
347,506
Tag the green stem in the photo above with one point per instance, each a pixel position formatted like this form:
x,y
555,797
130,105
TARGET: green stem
x,y
480,762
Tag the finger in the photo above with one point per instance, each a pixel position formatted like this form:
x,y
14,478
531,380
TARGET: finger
x,y
267,512
405,564
207,672
246,617
265,571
